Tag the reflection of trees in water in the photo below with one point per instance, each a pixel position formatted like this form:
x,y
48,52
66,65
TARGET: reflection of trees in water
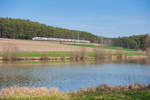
x,y
17,80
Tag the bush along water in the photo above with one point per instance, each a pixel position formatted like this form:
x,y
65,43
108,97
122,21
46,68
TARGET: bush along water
x,y
101,92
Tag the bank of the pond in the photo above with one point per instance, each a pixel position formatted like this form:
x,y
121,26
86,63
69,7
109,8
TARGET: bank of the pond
x,y
68,54
102,92
76,59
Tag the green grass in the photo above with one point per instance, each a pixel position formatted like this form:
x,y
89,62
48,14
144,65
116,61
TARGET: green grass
x,y
117,95
116,48
83,45
38,54
129,52
99,95
48,54
105,47
68,54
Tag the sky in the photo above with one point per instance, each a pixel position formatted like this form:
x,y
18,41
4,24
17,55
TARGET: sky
x,y
109,18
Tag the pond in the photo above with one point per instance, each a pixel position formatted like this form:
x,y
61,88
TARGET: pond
x,y
73,77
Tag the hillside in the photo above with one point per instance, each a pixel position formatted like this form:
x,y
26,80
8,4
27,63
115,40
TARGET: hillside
x,y
36,46
31,48
26,29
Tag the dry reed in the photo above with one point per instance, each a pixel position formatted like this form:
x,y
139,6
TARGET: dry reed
x,y
120,54
99,54
44,56
148,56
10,52
147,46
83,54
27,92
79,55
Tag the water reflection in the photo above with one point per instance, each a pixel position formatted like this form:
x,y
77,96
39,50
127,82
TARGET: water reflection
x,y
10,76
72,77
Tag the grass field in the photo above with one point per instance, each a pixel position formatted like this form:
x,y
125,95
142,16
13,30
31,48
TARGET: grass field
x,y
129,52
29,48
100,95
68,54
36,46
84,45
105,47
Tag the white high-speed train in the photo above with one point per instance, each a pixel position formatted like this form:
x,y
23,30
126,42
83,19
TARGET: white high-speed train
x,y
59,39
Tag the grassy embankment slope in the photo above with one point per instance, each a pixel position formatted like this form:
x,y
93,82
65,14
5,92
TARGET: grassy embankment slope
x,y
99,95
29,48
129,52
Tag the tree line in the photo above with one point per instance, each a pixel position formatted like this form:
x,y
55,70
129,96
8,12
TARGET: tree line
x,y
26,29
133,42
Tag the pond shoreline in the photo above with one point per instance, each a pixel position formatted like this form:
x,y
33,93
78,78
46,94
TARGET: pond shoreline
x,y
77,58
95,92
33,92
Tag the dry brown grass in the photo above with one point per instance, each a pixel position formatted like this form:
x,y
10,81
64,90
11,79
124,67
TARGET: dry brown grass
x,y
42,46
26,92
99,54
148,55
29,45
10,51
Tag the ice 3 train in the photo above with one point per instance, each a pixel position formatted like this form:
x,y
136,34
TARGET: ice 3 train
x,y
60,40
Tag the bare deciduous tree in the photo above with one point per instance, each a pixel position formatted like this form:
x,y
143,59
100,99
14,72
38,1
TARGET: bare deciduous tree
x,y
147,41
147,45
10,51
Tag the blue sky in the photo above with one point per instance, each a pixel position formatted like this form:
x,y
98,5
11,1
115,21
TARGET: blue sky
x,y
109,18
